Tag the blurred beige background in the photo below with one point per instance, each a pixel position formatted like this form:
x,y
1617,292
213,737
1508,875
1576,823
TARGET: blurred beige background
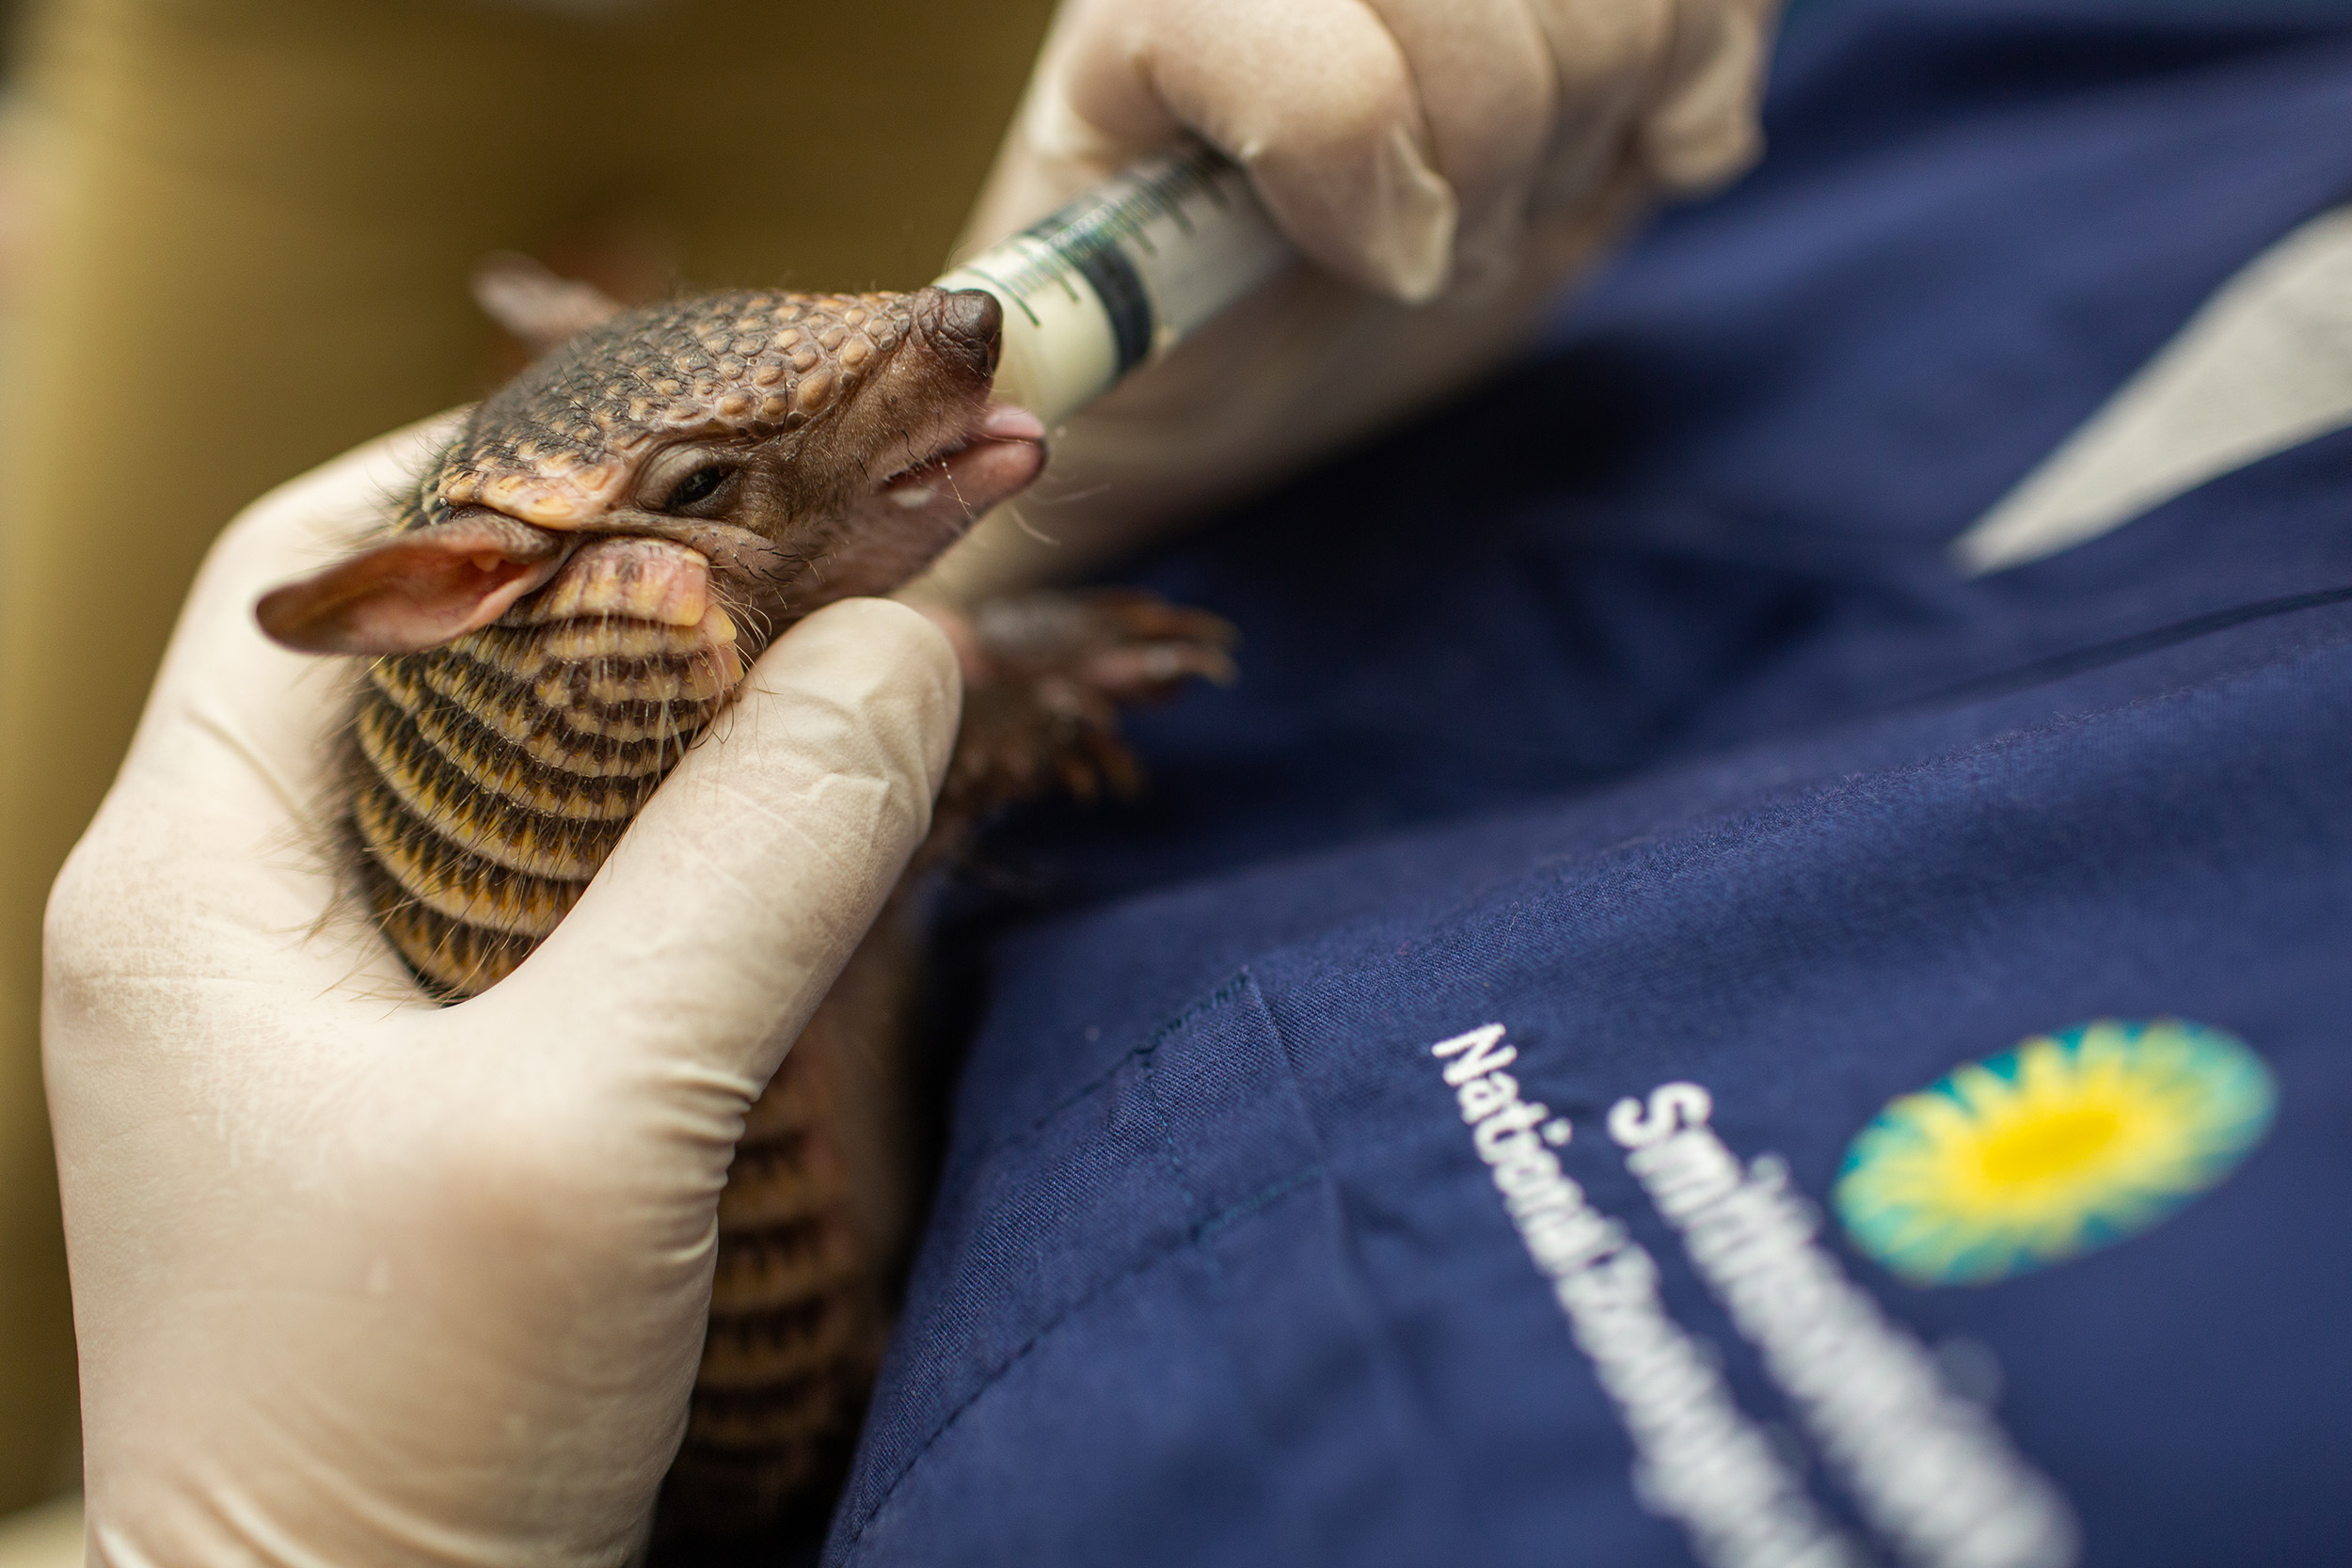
x,y
234,239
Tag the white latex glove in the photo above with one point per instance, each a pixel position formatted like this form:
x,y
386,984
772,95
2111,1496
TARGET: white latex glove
x,y
359,1279
1463,156
1399,143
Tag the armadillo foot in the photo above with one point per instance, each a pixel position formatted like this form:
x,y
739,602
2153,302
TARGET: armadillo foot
x,y
1047,676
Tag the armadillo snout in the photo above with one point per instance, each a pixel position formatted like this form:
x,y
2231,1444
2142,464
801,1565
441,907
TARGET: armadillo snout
x,y
965,327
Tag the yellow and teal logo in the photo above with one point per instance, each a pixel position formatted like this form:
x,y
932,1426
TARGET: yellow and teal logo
x,y
2068,1143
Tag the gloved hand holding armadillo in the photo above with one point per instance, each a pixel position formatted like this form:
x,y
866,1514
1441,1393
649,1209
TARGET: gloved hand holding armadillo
x,y
358,1280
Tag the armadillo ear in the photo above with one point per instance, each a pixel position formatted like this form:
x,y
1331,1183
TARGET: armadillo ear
x,y
540,307
413,592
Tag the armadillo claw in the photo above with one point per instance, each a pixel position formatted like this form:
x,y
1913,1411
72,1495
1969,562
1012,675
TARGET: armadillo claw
x,y
1053,670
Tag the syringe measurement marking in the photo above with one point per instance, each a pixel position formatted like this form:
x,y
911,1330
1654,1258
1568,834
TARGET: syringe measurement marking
x,y
1103,243
1011,292
1037,273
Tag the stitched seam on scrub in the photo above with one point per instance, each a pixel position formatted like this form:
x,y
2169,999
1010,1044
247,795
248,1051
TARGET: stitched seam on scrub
x,y
1224,1219
1159,1035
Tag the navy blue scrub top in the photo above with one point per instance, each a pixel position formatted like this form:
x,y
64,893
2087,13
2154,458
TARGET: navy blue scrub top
x,y
1659,1023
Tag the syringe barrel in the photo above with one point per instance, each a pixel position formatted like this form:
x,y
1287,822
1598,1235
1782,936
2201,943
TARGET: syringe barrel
x,y
1120,276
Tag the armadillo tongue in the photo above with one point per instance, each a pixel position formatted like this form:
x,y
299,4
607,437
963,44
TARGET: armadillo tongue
x,y
1008,421
1000,455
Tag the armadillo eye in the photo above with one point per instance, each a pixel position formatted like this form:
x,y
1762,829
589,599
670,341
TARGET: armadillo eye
x,y
700,486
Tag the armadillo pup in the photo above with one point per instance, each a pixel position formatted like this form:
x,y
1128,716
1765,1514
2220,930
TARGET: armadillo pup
x,y
570,597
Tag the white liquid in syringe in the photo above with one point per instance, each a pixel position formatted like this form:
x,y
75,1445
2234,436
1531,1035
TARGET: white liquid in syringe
x,y
1121,274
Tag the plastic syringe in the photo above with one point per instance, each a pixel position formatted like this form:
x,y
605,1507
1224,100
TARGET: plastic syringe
x,y
1121,274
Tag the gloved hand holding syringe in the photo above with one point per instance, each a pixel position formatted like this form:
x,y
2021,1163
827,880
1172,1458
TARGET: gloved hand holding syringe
x,y
1417,178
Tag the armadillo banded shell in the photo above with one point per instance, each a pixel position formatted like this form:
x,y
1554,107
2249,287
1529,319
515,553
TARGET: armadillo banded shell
x,y
516,716
489,956
446,828
490,778
492,775
796,1324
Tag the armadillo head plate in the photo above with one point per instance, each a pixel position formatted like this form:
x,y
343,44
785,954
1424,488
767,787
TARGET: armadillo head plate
x,y
773,420
807,446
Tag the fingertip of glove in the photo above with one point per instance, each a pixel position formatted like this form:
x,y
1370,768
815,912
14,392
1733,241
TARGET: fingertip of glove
x,y
1689,165
1410,232
880,658
1704,133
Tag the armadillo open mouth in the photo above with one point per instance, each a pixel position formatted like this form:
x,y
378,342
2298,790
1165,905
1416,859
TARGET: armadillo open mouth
x,y
996,459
